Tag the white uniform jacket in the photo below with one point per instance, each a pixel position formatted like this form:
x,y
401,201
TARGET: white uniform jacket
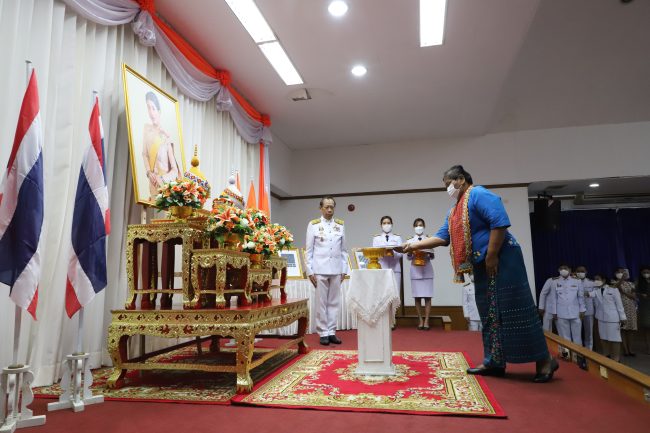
x,y
566,298
325,252
392,241
587,286
420,272
609,306
469,302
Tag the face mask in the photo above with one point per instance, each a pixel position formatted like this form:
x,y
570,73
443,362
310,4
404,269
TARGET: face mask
x,y
564,272
419,230
618,275
453,192
646,275
581,275
598,283
387,228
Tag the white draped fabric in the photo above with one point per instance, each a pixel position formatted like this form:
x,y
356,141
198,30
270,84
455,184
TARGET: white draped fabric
x,y
191,81
72,57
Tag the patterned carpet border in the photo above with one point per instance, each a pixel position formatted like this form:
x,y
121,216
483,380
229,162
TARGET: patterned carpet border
x,y
428,383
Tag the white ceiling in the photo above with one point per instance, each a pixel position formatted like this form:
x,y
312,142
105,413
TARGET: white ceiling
x,y
623,186
505,65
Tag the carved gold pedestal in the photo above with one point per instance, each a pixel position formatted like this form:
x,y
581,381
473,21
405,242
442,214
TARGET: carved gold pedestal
x,y
220,273
278,266
260,284
242,324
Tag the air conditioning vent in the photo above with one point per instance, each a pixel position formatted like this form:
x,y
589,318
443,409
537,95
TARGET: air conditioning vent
x,y
300,95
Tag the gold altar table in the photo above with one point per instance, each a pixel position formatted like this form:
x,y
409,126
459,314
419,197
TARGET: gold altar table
x,y
240,323
220,273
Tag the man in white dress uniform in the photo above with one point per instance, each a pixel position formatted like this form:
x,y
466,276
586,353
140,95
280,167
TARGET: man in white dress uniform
x,y
568,307
545,299
327,264
588,319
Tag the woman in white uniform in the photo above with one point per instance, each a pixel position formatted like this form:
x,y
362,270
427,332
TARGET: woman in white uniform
x,y
389,239
610,315
421,277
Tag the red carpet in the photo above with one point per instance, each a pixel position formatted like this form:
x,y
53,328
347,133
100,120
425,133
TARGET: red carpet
x,y
175,386
426,383
574,402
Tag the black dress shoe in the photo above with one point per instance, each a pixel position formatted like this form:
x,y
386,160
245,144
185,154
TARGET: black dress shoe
x,y
487,371
546,377
325,341
334,339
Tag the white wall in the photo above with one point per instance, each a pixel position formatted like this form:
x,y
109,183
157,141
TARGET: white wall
x,y
512,157
280,159
362,224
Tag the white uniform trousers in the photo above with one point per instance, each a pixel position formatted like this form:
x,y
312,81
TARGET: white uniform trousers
x,y
547,321
475,325
328,303
588,326
570,329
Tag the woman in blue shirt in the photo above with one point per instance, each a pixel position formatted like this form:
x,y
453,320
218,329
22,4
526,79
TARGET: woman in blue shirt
x,y
476,229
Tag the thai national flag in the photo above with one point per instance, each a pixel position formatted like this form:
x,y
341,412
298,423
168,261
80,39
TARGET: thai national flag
x,y
90,224
21,206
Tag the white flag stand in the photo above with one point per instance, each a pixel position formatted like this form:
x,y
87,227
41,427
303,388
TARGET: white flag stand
x,y
16,380
77,377
16,391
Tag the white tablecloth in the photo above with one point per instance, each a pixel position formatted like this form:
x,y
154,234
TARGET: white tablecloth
x,y
304,289
372,292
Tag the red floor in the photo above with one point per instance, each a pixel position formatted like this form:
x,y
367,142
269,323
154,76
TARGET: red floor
x,y
574,402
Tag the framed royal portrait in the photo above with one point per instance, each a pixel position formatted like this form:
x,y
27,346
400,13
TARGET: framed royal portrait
x,y
294,263
359,261
155,135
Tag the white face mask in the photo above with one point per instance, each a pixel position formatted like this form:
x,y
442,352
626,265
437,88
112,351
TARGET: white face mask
x,y
581,275
452,191
419,230
564,272
598,283
387,228
618,275
646,275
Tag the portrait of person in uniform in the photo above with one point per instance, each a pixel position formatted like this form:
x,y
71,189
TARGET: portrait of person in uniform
x,y
326,264
155,138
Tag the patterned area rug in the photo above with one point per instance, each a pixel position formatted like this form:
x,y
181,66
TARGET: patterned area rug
x,y
174,385
427,383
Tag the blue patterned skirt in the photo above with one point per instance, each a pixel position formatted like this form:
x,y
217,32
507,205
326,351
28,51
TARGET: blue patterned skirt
x,y
512,331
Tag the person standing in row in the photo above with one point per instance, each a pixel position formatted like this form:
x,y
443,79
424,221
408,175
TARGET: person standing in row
x,y
327,264
568,307
587,286
470,311
476,229
628,295
643,292
545,300
389,239
421,277
610,315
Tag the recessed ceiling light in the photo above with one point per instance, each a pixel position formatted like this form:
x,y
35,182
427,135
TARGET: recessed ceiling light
x,y
338,8
278,58
432,22
594,185
359,71
252,20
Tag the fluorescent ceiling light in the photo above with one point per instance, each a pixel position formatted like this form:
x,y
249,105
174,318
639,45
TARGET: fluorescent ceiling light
x,y
594,185
432,22
280,61
359,71
338,8
252,20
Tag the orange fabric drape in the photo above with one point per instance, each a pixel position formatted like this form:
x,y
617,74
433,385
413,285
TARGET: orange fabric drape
x,y
201,64
237,182
264,199
251,203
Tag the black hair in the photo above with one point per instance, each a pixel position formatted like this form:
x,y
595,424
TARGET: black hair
x,y
327,197
601,275
564,264
581,266
643,285
456,172
419,220
381,221
151,96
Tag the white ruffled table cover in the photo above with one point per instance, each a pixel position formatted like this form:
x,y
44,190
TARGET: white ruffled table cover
x,y
372,292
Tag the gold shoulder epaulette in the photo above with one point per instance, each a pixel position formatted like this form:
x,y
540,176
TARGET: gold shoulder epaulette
x,y
315,221
338,221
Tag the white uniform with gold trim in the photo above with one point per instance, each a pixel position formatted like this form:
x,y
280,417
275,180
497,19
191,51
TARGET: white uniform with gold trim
x,y
327,259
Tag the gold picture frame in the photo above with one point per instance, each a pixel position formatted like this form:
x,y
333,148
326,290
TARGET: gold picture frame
x,y
155,135
295,269
358,261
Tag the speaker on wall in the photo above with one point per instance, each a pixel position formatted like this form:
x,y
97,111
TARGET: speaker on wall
x,y
547,214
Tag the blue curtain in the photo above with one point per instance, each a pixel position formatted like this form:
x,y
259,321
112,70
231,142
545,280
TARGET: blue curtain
x,y
584,237
634,235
